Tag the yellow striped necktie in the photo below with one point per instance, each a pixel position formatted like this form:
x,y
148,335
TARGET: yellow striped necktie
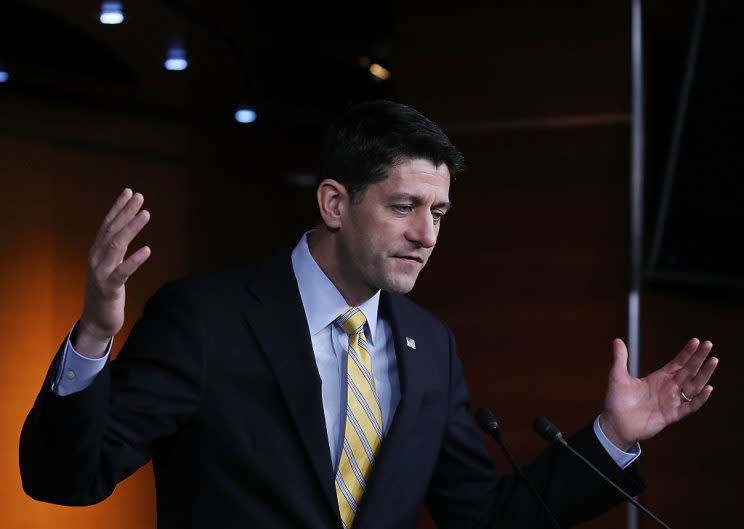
x,y
363,428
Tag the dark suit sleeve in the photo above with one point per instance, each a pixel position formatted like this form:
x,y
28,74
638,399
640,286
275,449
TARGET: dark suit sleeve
x,y
467,491
75,449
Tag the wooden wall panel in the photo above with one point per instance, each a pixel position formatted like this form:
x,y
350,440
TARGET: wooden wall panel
x,y
531,272
695,466
531,269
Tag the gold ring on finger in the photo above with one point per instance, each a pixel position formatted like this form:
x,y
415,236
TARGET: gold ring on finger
x,y
684,397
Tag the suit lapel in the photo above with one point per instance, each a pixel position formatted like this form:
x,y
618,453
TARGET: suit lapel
x,y
273,311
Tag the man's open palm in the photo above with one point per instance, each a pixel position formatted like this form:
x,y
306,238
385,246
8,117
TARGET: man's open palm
x,y
108,271
639,408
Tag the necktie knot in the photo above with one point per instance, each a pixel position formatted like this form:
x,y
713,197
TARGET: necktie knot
x,y
351,321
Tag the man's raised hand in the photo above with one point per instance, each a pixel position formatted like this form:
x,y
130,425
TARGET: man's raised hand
x,y
108,271
639,408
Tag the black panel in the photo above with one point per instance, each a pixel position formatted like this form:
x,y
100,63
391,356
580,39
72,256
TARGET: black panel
x,y
698,238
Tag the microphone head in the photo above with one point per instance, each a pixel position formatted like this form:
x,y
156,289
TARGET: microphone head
x,y
487,421
546,429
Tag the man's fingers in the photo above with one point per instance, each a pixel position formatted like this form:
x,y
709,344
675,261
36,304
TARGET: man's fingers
x,y
620,359
123,272
125,214
130,230
697,359
115,248
698,382
694,362
121,200
110,251
111,227
700,399
684,355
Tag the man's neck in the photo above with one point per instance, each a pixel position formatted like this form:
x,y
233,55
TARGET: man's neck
x,y
324,250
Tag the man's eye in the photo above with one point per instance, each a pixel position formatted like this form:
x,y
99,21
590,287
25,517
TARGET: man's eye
x,y
438,215
402,208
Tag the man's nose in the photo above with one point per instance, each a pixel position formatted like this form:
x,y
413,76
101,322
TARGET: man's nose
x,y
423,230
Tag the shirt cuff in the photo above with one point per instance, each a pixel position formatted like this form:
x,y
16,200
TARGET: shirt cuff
x,y
76,372
621,458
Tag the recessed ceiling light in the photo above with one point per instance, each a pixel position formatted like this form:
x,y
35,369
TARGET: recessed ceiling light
x,y
245,115
111,13
175,60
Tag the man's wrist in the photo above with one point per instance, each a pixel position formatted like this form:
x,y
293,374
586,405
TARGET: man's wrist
x,y
89,343
607,425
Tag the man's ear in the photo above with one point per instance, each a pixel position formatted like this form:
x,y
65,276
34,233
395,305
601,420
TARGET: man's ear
x,y
333,199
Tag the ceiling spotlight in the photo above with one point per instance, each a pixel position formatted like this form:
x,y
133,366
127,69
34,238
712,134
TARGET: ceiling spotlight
x,y
175,60
379,72
245,115
111,13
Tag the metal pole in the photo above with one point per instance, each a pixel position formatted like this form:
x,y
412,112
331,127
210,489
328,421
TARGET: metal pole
x,y
636,205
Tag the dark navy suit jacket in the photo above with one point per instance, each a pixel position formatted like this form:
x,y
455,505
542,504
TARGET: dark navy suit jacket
x,y
217,384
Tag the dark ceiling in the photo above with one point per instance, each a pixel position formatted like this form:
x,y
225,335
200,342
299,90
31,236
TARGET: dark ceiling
x,y
296,63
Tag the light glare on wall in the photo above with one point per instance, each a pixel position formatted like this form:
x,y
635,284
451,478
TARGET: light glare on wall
x,y
380,72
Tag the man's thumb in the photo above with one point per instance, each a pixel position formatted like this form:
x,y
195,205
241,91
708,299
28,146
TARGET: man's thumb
x,y
620,359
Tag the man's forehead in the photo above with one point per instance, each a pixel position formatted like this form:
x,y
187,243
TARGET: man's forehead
x,y
416,174
420,165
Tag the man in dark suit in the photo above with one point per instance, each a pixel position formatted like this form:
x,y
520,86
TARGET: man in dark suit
x,y
307,391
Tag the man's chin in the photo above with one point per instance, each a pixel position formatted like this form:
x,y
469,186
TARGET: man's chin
x,y
399,285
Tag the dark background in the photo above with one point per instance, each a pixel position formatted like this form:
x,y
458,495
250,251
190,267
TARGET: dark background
x,y
531,271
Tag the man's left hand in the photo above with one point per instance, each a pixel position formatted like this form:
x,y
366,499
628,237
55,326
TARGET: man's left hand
x,y
639,408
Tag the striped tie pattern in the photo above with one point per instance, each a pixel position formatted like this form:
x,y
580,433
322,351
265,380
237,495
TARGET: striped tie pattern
x,y
363,428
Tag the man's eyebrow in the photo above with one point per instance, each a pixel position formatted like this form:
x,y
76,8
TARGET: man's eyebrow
x,y
414,199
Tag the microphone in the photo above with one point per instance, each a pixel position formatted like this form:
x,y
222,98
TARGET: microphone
x,y
548,431
489,425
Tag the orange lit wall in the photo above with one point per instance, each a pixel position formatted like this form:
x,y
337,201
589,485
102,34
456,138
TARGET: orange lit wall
x,y
52,201
216,199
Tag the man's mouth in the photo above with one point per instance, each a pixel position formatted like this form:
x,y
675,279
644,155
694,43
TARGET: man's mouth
x,y
412,258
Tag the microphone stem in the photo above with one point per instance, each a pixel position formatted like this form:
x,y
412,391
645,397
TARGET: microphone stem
x,y
627,496
527,482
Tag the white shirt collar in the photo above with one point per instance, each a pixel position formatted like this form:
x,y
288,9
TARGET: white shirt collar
x,y
322,301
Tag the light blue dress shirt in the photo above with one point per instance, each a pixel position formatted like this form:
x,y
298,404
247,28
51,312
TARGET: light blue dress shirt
x,y
323,303
76,372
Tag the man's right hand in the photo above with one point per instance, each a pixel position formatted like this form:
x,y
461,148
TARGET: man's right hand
x,y
103,311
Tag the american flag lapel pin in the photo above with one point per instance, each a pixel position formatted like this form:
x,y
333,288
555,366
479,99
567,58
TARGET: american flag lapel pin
x,y
410,342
